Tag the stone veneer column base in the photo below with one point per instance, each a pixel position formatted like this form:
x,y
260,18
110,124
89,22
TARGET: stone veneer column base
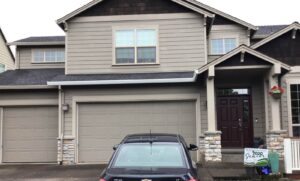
x,y
68,151
275,141
212,146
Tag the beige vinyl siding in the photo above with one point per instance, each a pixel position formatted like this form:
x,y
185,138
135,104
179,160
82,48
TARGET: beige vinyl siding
x,y
234,31
24,56
30,95
181,45
162,90
5,57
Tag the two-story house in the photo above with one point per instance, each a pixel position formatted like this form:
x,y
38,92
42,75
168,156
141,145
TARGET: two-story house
x,y
6,56
168,66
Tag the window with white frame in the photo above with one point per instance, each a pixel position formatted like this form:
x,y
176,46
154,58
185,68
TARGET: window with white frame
x,y
48,55
136,46
222,46
295,105
2,68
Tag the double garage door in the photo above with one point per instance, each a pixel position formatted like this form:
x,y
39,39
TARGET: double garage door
x,y
29,134
103,125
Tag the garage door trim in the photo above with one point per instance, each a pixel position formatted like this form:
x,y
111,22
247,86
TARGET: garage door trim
x,y
131,98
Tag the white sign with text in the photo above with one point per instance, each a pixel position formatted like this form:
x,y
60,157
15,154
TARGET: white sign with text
x,y
253,155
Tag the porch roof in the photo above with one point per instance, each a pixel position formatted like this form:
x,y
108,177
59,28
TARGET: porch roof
x,y
242,49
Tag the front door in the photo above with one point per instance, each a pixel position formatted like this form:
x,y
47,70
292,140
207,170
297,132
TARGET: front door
x,y
234,119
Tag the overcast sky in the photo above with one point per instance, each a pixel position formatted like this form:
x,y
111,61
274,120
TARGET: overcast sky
x,y
24,18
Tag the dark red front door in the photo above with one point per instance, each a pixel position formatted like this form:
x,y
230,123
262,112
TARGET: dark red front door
x,y
235,121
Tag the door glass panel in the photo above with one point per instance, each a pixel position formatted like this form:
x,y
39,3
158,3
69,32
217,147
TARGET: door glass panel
x,y
246,110
232,92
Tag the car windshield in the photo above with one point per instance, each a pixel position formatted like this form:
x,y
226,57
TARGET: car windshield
x,y
158,155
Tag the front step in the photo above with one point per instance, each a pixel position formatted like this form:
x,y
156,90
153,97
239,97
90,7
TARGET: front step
x,y
233,155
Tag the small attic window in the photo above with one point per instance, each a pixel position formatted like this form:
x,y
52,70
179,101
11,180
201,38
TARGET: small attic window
x,y
222,46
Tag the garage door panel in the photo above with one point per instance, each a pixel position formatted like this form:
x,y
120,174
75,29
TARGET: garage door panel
x,y
30,134
101,126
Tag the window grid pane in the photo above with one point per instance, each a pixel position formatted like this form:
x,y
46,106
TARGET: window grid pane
x,y
146,55
295,105
125,55
146,37
229,44
125,38
2,68
217,46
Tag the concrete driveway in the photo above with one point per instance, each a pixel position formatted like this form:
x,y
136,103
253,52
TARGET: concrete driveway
x,y
50,172
68,173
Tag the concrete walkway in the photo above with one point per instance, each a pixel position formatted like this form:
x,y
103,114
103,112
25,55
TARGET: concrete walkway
x,y
50,172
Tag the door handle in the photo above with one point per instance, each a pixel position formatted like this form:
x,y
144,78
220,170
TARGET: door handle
x,y
240,123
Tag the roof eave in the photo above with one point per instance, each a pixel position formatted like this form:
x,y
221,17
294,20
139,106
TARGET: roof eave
x,y
36,43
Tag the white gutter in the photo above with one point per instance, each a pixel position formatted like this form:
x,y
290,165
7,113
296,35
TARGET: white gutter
x,y
120,82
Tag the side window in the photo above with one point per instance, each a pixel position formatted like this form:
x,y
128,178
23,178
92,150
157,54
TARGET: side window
x,y
295,105
48,55
2,68
222,46
135,46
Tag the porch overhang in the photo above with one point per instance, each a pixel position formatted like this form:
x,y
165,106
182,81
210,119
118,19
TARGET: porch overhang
x,y
261,61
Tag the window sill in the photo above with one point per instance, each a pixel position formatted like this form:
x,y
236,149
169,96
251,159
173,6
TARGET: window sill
x,y
142,64
48,62
216,54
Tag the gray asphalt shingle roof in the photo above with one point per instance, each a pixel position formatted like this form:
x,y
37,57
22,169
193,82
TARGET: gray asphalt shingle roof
x,y
42,76
131,76
267,30
43,39
29,76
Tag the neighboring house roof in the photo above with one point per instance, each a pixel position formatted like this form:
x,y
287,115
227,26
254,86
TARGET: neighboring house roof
x,y
5,41
191,4
29,76
264,31
41,40
242,49
293,26
132,78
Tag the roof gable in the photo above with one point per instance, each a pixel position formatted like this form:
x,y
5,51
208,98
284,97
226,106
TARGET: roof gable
x,y
189,4
242,49
294,26
96,2
125,7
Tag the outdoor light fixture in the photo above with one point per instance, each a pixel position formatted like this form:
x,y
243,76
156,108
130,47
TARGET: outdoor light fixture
x,y
65,107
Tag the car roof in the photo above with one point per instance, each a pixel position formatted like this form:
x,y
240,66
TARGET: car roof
x,y
154,137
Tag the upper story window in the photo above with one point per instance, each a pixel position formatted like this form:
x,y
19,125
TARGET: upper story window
x,y
135,46
2,68
222,46
48,55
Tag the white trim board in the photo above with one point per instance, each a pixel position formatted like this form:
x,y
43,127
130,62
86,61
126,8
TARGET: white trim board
x,y
242,49
132,98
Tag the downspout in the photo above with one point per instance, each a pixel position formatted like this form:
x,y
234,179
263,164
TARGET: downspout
x,y
61,122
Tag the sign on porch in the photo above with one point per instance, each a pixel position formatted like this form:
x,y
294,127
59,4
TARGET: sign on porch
x,y
253,155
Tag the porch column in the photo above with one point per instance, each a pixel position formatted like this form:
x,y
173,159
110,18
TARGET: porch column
x,y
212,137
276,135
